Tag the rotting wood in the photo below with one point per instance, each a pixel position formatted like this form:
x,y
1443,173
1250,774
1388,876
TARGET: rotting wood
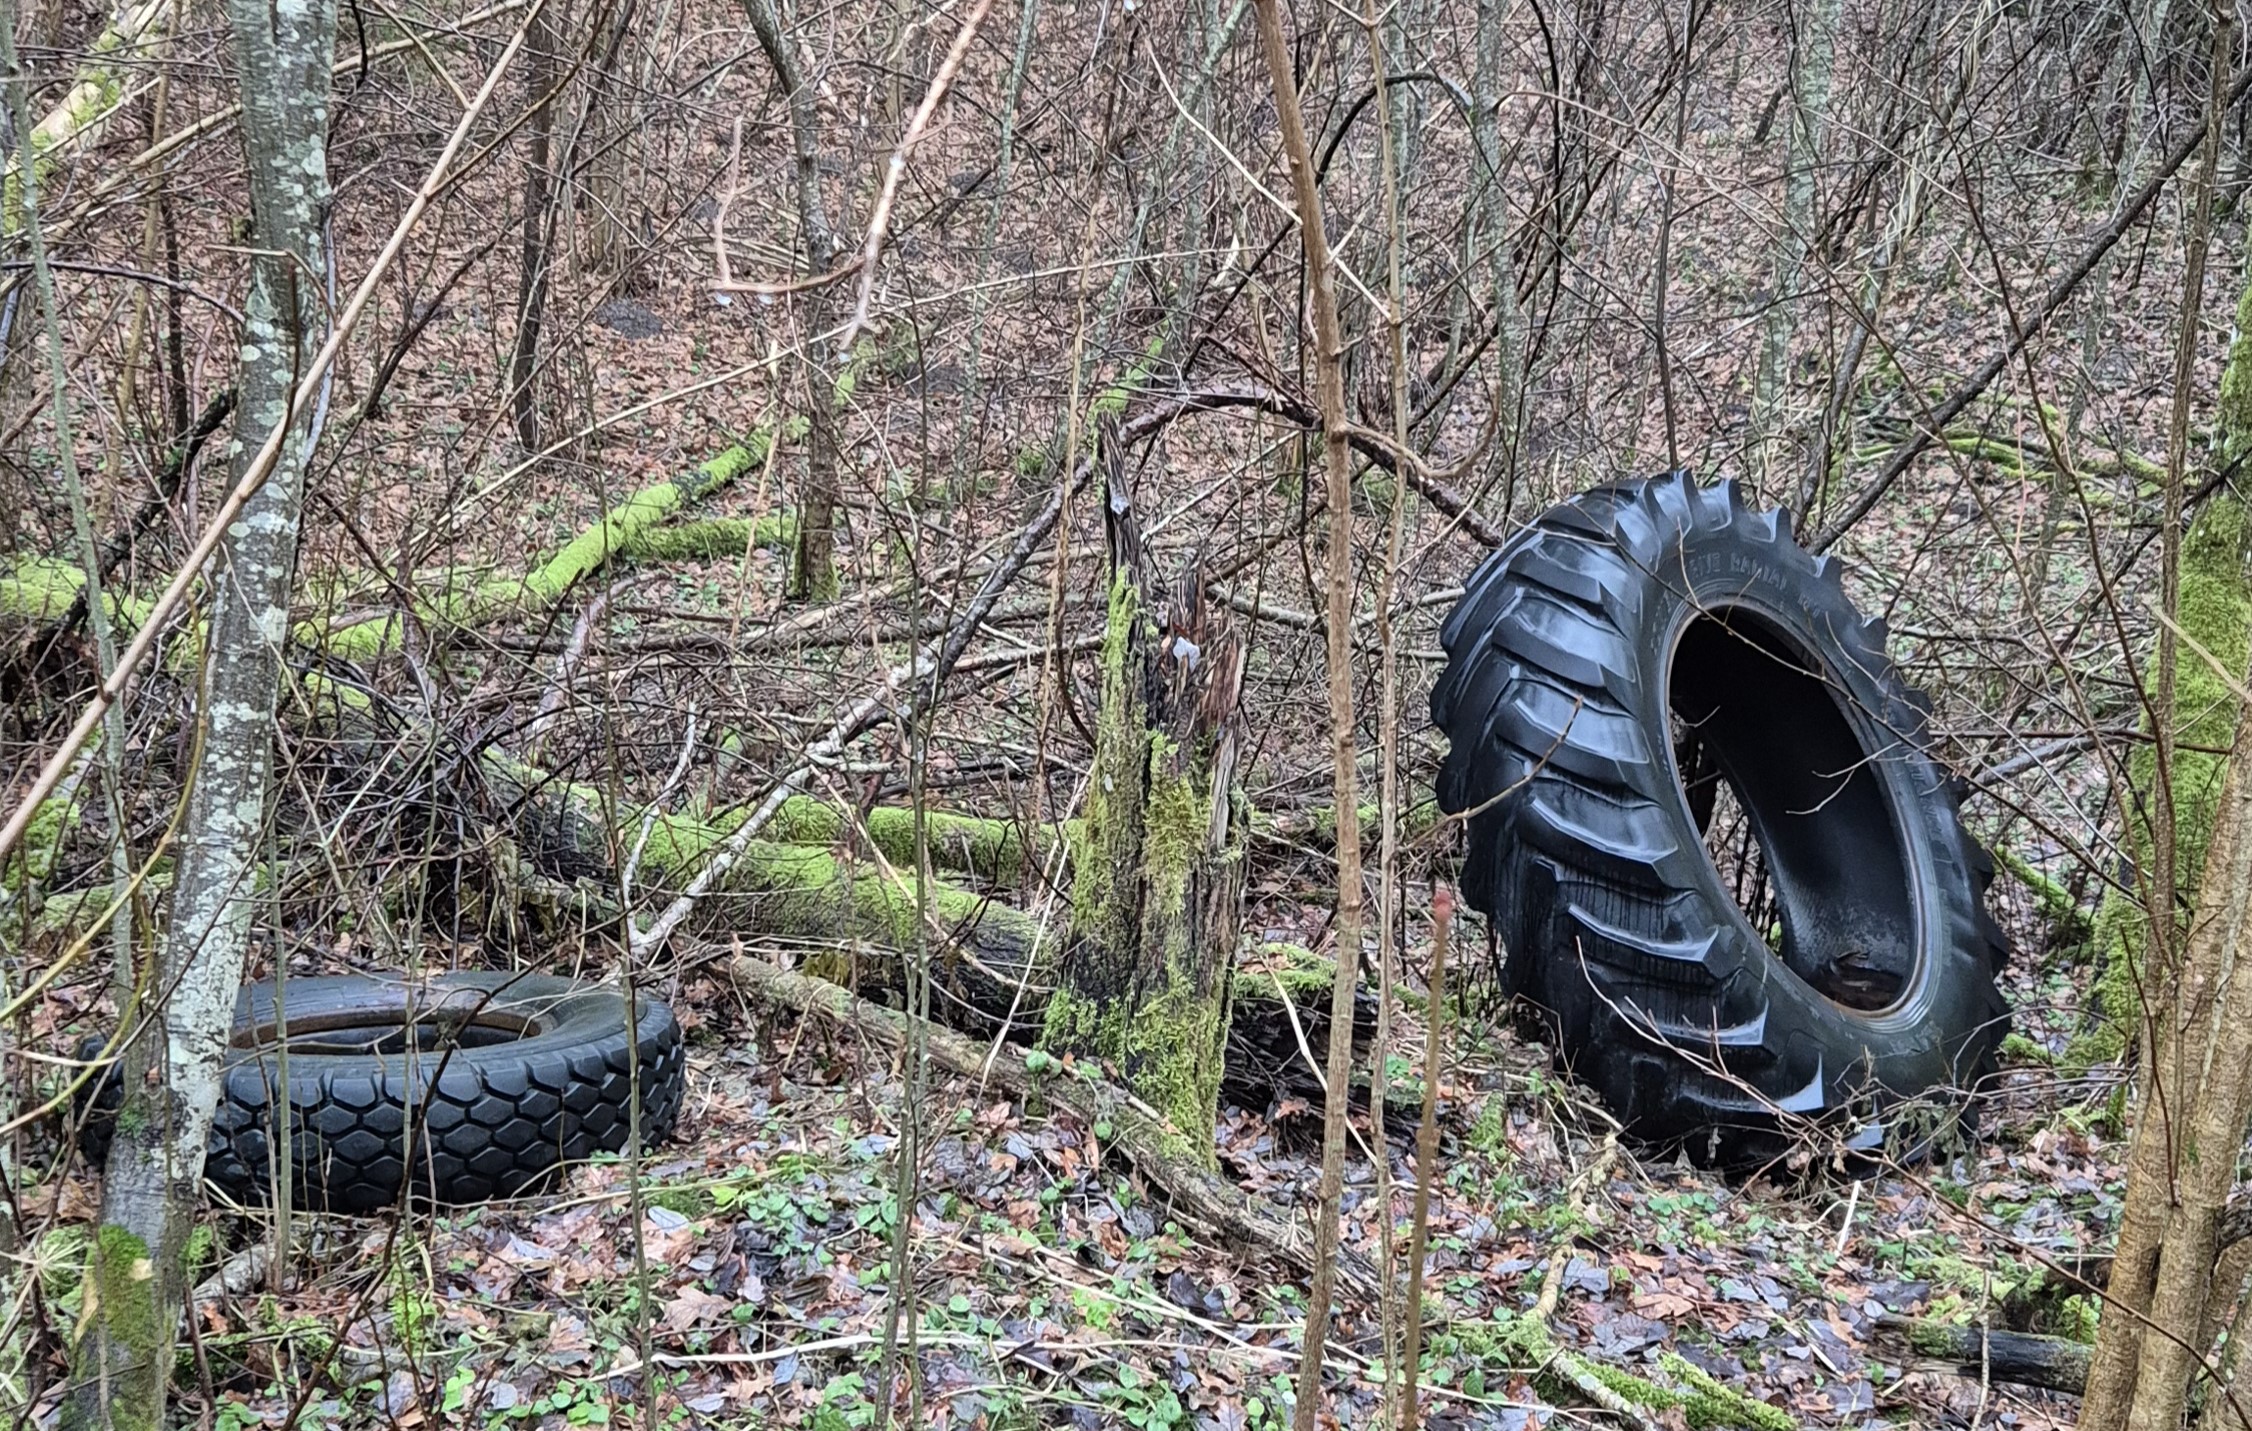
x,y
1157,898
2019,1358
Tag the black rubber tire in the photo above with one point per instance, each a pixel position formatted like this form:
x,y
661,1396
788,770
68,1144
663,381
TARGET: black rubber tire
x,y
460,1119
1570,654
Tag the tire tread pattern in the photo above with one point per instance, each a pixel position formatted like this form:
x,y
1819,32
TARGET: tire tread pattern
x,y
454,1125
1599,888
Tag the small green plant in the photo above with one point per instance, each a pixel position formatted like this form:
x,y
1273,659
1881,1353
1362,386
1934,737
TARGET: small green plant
x,y
579,1403
1097,1311
237,1416
459,1383
413,1315
1490,1134
1142,1403
1269,1409
845,1405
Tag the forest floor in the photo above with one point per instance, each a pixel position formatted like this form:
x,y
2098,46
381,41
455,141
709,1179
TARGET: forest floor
x,y
1051,1290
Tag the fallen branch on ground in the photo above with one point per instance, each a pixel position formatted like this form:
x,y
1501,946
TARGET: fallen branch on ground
x,y
1525,1340
2020,1358
634,526
1198,1195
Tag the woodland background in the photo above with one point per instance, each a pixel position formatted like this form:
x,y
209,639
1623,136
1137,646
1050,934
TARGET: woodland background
x,y
628,478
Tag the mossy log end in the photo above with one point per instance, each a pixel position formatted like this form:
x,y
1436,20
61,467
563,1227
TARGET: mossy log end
x,y
1157,892
2215,610
1278,1028
2020,1358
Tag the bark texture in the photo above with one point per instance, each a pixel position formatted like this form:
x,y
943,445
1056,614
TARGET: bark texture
x,y
2178,1175
1813,49
122,1359
2182,1160
1158,885
813,566
539,230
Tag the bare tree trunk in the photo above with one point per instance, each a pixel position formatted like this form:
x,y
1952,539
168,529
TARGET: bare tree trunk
x,y
539,230
2210,1131
1492,230
2194,1008
813,564
1158,892
1812,53
122,1360
2182,1164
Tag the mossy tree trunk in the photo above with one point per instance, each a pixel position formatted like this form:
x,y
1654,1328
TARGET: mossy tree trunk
x,y
1158,882
2196,1094
2216,613
2193,1015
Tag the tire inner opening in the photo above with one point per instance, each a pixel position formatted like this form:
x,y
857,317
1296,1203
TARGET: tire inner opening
x,y
1794,816
388,1031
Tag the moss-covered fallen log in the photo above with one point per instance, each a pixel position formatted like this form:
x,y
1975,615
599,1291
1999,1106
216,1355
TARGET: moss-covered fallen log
x,y
988,951
2019,1358
42,589
637,523
707,539
1006,851
994,964
638,531
1524,1340
1001,850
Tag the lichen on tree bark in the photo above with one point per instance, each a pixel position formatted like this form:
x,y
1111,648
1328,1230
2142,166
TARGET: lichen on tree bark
x,y
121,1361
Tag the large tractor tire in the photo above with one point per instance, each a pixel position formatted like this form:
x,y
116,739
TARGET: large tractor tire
x,y
1730,881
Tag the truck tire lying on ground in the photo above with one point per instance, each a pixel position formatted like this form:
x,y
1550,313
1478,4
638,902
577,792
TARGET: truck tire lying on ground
x,y
1730,880
505,1078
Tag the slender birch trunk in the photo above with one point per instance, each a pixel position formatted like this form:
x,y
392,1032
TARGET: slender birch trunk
x,y
122,1359
1490,232
539,228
